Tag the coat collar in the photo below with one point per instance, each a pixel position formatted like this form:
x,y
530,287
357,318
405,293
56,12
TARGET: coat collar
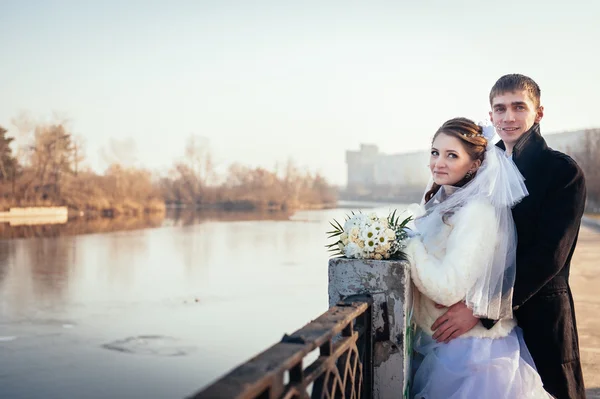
x,y
527,149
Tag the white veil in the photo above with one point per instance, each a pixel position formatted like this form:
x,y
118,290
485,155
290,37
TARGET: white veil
x,y
499,182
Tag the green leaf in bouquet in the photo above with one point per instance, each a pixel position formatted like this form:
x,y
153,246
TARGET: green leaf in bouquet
x,y
334,226
334,254
406,221
391,218
400,255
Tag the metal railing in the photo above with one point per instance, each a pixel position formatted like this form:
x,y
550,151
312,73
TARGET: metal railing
x,y
344,369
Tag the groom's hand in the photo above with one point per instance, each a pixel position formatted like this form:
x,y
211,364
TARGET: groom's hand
x,y
457,320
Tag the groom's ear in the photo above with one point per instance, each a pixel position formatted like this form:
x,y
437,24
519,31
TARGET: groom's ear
x,y
491,117
539,114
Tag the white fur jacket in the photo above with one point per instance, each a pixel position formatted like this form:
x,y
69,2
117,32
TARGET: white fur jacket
x,y
444,271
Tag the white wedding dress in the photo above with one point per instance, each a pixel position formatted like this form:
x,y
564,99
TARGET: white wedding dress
x,y
482,363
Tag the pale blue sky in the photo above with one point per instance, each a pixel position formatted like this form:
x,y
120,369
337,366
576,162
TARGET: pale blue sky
x,y
270,80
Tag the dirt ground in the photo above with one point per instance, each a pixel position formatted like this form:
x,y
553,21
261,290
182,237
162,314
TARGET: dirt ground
x,y
585,283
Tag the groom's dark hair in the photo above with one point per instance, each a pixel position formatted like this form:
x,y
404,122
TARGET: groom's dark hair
x,y
516,82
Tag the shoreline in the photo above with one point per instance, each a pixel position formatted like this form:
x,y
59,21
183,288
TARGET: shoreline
x,y
81,224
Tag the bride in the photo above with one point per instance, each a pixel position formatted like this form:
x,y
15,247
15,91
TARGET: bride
x,y
464,250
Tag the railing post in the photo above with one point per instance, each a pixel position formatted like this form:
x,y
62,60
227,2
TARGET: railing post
x,y
388,283
364,325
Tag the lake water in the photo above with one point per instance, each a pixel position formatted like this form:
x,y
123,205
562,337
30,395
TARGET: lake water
x,y
157,312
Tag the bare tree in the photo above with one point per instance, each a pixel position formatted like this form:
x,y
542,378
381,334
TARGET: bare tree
x,y
7,161
78,153
588,158
199,158
24,125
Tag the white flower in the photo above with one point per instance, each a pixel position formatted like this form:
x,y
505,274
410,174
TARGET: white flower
x,y
382,240
344,238
378,226
352,250
369,234
488,129
370,245
341,246
357,220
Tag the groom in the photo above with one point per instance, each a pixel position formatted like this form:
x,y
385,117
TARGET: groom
x,y
547,223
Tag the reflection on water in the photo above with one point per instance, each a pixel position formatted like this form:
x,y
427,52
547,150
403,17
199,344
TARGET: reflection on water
x,y
155,312
77,226
182,217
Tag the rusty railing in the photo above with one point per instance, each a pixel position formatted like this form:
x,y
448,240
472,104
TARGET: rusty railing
x,y
344,368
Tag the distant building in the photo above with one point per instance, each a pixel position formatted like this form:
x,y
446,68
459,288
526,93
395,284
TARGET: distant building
x,y
572,142
368,168
361,166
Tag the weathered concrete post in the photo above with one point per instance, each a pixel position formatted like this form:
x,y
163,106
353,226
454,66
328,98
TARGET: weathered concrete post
x,y
389,284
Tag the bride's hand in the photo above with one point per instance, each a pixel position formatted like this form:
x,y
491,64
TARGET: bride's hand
x,y
457,320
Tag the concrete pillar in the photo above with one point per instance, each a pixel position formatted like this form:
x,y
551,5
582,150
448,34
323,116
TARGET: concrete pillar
x,y
389,284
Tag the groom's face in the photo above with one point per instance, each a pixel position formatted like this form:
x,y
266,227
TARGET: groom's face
x,y
513,114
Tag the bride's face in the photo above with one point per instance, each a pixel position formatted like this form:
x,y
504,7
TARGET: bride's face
x,y
449,161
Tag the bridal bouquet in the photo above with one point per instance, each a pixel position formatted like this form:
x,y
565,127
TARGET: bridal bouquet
x,y
369,237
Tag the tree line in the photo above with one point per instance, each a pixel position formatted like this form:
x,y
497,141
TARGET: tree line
x,y
587,155
48,169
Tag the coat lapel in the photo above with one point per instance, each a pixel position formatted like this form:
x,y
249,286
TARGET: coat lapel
x,y
527,152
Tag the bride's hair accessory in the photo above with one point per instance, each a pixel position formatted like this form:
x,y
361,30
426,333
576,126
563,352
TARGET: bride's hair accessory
x,y
472,135
488,130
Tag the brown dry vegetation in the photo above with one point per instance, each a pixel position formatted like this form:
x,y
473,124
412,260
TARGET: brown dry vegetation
x,y
47,171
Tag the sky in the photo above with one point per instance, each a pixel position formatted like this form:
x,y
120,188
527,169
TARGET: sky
x,y
268,81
